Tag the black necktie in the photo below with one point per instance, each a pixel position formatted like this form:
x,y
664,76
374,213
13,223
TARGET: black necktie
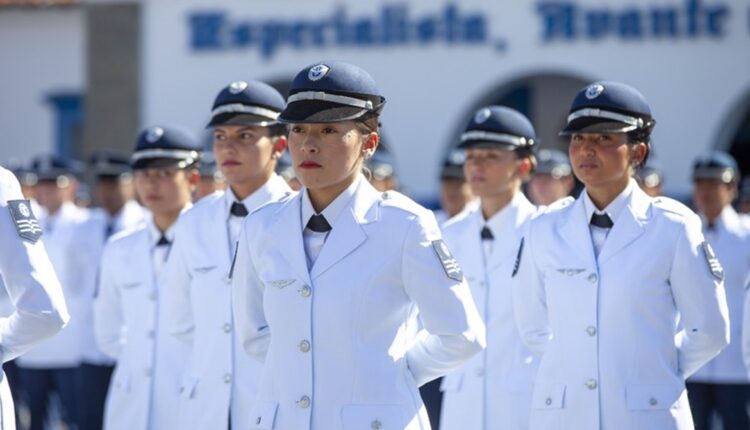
x,y
318,224
163,241
602,221
238,209
487,234
109,230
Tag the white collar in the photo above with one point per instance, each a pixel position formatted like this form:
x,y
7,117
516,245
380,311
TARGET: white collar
x,y
504,218
614,208
154,234
333,210
727,219
259,197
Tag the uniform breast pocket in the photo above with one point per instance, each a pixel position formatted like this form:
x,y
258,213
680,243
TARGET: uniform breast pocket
x,y
379,416
653,396
656,406
207,277
187,387
279,292
549,397
263,415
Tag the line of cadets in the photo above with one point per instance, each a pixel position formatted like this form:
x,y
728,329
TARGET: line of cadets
x,y
155,302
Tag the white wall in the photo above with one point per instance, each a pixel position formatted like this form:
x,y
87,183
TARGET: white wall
x,y
41,53
691,82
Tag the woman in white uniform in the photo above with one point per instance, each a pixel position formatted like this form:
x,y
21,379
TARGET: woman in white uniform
x,y
220,379
129,311
618,290
31,283
326,281
493,389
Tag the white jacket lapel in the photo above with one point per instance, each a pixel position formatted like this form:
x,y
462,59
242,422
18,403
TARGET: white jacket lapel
x,y
628,226
287,230
574,228
347,234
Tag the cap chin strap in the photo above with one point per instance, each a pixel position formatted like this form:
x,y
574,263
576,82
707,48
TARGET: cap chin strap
x,y
605,114
241,108
496,137
333,98
177,154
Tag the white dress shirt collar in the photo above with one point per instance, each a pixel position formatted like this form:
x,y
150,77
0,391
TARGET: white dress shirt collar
x,y
262,195
333,210
503,219
614,209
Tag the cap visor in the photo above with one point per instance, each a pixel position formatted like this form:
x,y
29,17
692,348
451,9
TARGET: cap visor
x,y
239,119
52,175
315,111
596,125
155,163
485,144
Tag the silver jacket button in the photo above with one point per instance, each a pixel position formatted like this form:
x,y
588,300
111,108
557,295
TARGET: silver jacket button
x,y
593,278
305,291
591,330
304,346
591,384
303,402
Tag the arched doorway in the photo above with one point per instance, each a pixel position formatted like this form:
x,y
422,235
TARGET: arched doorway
x,y
543,97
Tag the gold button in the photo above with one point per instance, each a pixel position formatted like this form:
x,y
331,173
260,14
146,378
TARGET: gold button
x,y
303,402
304,346
305,291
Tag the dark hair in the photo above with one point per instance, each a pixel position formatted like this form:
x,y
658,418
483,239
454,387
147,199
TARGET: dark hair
x,y
642,135
368,123
277,130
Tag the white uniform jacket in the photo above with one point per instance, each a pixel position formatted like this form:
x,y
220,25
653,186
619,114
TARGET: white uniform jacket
x,y
614,357
335,339
30,281
64,349
220,377
85,259
130,327
493,389
730,240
